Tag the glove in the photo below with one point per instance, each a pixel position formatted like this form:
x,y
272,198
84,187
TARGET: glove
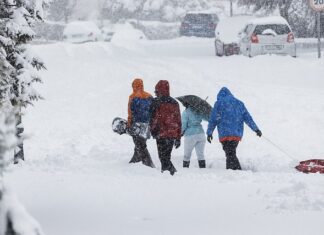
x,y
209,138
259,133
177,143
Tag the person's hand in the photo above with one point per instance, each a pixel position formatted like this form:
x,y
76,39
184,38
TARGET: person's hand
x,y
209,138
259,133
177,143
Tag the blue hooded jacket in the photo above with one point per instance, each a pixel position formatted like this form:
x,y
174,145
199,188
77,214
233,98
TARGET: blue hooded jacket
x,y
229,115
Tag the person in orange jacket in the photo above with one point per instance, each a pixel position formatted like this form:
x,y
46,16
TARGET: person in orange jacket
x,y
138,118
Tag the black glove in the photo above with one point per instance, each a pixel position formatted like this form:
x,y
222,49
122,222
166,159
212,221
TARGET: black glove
x,y
209,138
259,133
177,143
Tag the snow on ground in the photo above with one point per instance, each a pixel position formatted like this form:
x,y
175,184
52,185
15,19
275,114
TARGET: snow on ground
x,y
76,179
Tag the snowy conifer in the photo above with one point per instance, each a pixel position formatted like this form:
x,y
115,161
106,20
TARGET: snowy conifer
x,y
16,20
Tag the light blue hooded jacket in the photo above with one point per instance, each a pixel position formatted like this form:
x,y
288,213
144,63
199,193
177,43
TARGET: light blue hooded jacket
x,y
191,123
229,115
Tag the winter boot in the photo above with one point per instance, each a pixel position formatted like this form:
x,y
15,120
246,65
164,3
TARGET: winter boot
x,y
136,158
186,164
172,169
146,159
233,163
202,163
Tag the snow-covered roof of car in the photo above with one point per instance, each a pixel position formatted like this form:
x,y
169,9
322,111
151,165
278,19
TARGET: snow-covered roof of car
x,y
269,20
227,29
77,27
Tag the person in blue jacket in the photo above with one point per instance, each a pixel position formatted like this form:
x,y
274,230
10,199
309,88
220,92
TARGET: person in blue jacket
x,y
229,115
138,115
194,136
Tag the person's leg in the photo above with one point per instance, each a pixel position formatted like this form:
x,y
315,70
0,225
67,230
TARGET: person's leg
x,y
169,147
161,146
136,156
164,153
143,152
165,147
232,161
200,149
189,144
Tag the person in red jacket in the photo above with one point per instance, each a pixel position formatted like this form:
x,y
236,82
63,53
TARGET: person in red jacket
x,y
165,124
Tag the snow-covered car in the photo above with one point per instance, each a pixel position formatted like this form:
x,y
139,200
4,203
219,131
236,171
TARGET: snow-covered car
x,y
107,34
199,24
267,35
126,32
227,35
81,31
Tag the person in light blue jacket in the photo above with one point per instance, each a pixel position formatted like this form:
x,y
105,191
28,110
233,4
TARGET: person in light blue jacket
x,y
194,136
229,115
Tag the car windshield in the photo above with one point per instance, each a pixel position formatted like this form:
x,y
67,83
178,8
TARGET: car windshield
x,y
199,18
280,29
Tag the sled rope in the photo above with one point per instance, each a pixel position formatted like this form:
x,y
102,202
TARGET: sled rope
x,y
279,148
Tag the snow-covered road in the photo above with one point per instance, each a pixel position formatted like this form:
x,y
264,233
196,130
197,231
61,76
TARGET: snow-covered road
x,y
77,181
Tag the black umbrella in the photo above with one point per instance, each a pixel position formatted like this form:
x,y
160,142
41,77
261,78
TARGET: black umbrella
x,y
197,104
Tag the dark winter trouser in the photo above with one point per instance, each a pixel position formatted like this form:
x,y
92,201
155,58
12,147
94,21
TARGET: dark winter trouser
x,y
141,153
232,161
165,147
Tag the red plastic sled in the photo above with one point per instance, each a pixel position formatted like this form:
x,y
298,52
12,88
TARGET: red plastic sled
x,y
311,166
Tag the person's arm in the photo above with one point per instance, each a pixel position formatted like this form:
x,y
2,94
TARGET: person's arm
x,y
153,118
247,118
129,118
177,115
184,120
213,120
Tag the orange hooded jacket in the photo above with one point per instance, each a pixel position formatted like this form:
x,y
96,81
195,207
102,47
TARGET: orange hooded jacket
x,y
142,99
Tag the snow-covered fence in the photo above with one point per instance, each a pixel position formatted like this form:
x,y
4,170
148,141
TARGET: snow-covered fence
x,y
308,43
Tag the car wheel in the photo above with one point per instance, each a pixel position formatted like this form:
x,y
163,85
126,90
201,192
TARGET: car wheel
x,y
218,53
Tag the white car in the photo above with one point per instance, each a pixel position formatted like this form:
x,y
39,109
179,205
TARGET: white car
x,y
227,35
268,35
81,31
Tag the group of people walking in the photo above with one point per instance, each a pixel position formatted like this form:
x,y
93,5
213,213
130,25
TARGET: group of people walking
x,y
161,118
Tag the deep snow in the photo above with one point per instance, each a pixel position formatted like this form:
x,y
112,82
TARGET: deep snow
x,y
76,179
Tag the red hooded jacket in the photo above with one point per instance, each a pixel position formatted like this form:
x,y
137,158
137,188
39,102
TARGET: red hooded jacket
x,y
165,113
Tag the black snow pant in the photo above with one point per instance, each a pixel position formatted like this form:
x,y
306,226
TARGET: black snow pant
x,y
141,153
165,146
232,161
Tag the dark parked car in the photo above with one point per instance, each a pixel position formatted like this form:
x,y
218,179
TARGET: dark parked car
x,y
199,24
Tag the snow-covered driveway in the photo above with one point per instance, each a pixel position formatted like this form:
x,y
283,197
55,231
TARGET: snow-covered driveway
x,y
77,180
